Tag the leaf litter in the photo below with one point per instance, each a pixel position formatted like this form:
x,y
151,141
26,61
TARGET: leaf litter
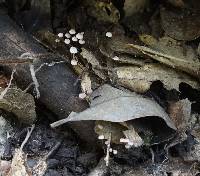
x,y
136,62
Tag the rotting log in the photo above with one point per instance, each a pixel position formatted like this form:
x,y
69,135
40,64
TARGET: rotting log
x,y
58,85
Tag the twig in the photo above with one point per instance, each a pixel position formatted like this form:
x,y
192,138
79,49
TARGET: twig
x,y
54,149
152,156
41,166
10,61
29,132
39,68
9,84
35,81
59,122
107,158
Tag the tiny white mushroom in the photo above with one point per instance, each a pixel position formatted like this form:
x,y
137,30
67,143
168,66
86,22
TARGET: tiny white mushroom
x,y
115,152
82,95
67,35
116,58
130,143
60,35
110,150
73,50
124,140
79,36
74,39
127,146
107,142
72,31
82,42
108,34
67,41
57,40
101,137
74,62
100,127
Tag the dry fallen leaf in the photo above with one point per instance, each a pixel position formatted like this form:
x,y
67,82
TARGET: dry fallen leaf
x,y
4,167
134,6
86,84
177,3
102,10
115,105
139,79
18,165
21,104
180,113
91,58
171,47
189,66
181,24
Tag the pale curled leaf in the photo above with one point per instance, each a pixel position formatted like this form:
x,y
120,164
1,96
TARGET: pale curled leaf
x,y
139,79
190,67
114,105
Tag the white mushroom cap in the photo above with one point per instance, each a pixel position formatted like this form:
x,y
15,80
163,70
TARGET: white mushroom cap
x,y
82,95
74,62
116,58
114,152
82,42
72,31
79,36
124,140
108,34
127,146
101,137
67,35
67,41
57,40
60,35
74,39
73,50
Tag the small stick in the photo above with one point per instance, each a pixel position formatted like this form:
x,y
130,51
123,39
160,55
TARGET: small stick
x,y
9,84
10,61
152,156
107,158
27,136
59,122
35,81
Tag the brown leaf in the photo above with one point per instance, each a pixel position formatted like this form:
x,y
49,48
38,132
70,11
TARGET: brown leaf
x,y
21,104
139,79
180,113
134,6
180,24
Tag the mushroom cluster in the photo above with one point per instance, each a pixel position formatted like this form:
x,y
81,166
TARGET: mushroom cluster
x,y
69,37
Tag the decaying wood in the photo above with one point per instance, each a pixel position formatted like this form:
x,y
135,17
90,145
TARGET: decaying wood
x,y
58,88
